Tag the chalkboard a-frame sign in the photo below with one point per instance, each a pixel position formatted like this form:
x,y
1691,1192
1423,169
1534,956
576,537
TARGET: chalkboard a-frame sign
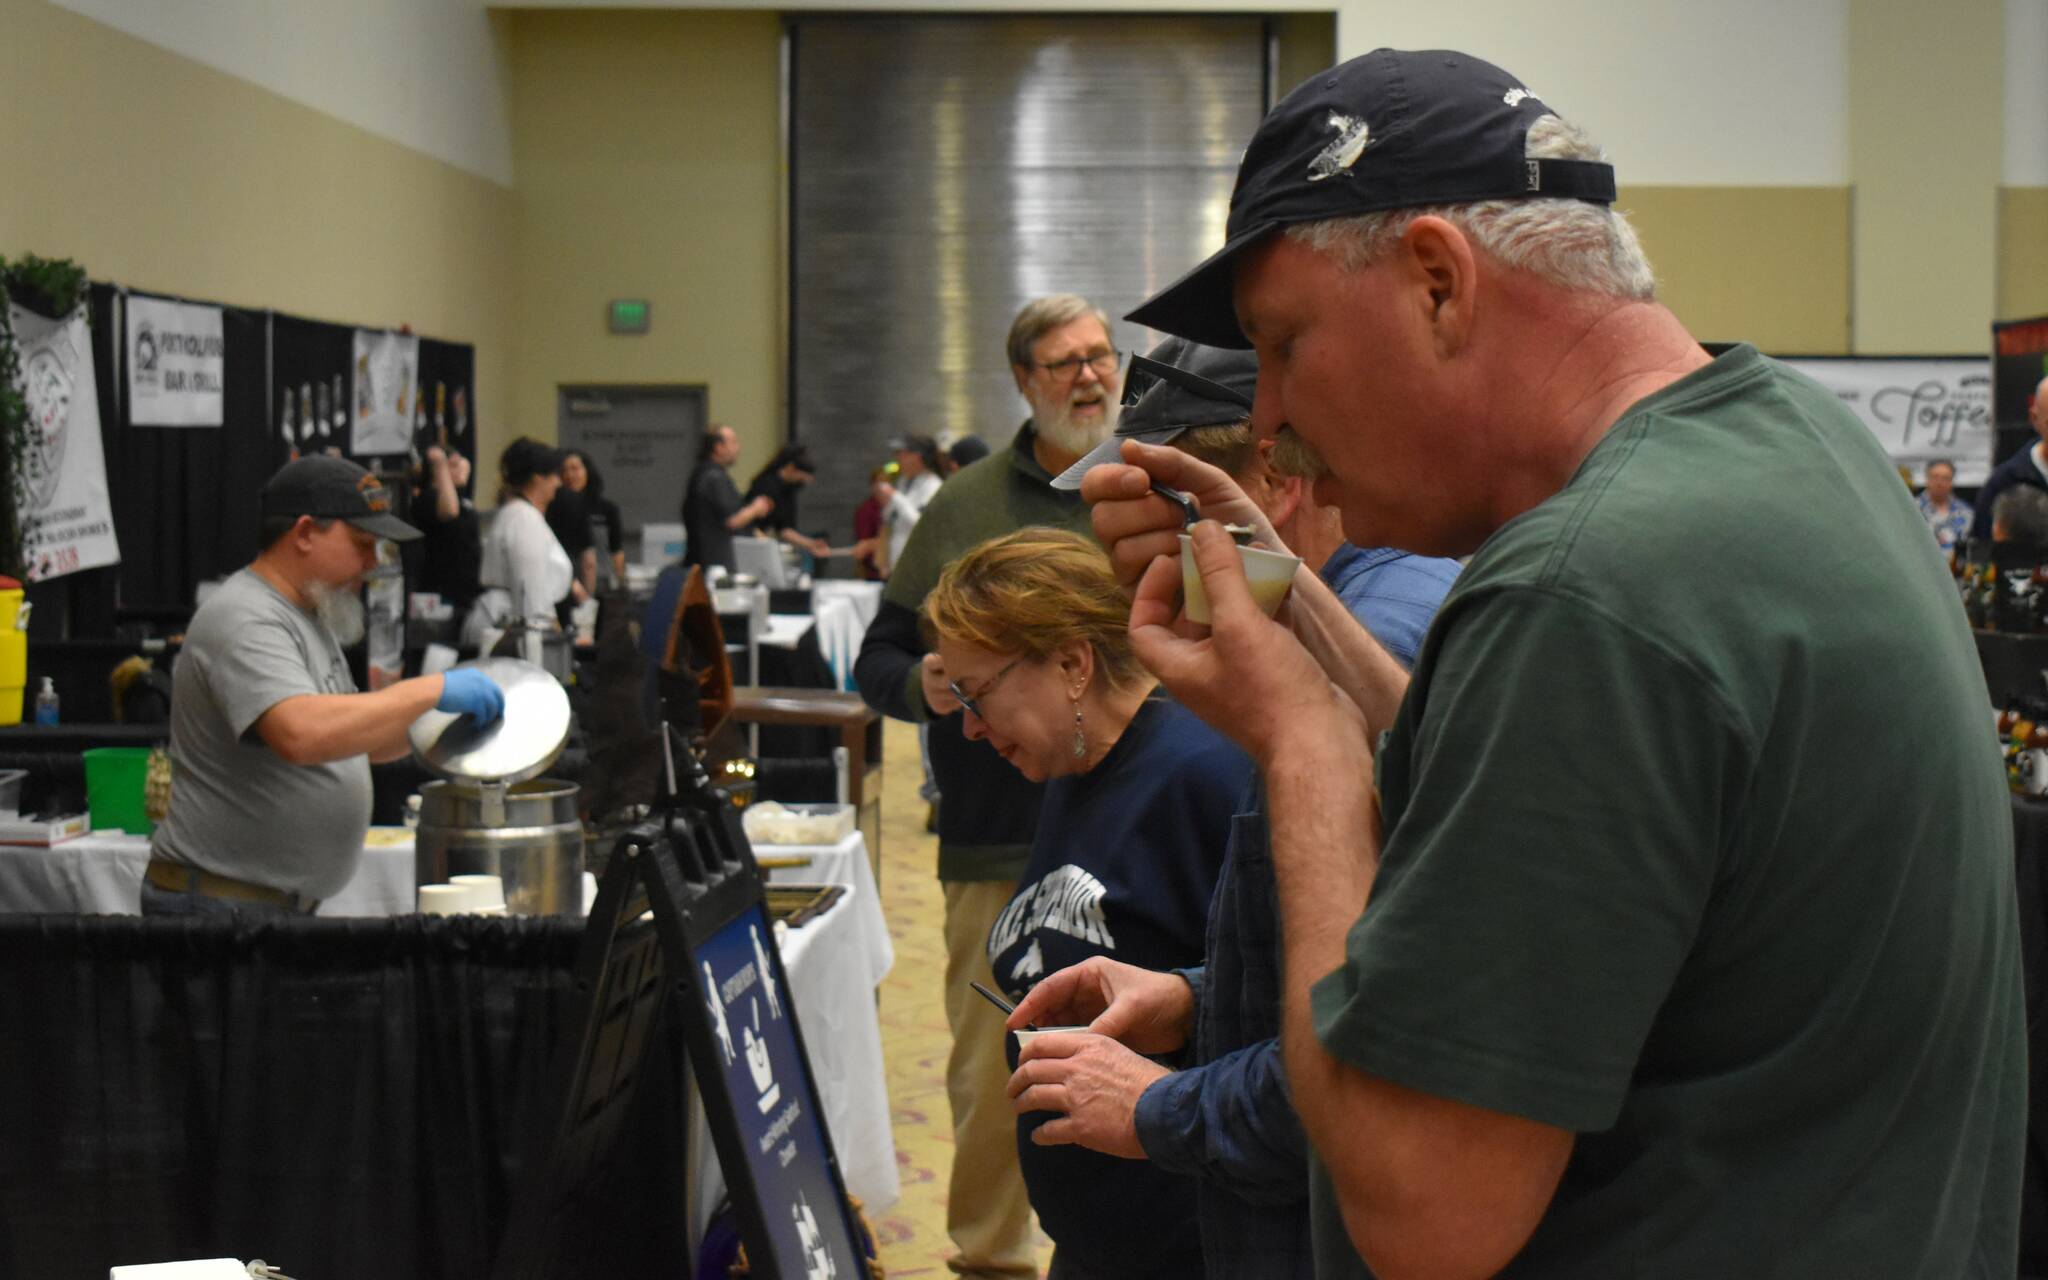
x,y
711,944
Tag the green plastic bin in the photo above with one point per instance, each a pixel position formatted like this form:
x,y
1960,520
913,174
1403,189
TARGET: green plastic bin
x,y
115,778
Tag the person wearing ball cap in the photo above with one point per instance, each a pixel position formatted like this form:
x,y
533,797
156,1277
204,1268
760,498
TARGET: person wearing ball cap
x,y
271,744
1602,955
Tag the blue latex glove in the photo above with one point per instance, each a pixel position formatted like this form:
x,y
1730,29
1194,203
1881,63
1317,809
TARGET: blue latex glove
x,y
467,691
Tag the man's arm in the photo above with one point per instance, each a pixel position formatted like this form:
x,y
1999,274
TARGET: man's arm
x,y
749,512
320,728
1231,1122
1426,1185
894,672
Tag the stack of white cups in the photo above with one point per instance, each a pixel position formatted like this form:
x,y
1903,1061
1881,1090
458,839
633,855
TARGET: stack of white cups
x,y
464,895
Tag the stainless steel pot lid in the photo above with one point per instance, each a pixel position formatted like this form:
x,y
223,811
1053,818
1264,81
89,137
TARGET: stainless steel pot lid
x,y
519,745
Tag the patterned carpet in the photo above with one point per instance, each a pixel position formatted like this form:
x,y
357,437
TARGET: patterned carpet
x,y
914,1039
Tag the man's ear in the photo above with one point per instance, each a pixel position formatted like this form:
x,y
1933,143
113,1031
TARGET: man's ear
x,y
1284,498
1023,376
1442,265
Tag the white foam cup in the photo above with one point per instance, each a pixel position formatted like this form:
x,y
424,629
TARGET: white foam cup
x,y
487,890
1269,573
445,899
1026,1037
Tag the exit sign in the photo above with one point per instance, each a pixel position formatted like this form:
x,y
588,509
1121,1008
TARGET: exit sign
x,y
627,315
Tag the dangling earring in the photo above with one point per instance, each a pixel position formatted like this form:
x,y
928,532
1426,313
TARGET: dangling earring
x,y
1080,738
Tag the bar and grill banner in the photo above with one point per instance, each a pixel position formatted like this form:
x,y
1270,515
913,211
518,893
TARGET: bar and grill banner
x,y
176,363
1919,407
386,392
60,491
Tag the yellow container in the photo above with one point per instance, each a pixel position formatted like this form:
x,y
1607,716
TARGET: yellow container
x,y
13,653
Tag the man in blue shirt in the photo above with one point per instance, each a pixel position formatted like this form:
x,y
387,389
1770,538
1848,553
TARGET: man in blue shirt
x,y
1947,516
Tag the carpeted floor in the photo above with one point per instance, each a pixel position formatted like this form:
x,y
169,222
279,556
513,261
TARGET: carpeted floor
x,y
914,1039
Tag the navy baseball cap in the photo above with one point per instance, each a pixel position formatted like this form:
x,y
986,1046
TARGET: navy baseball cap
x,y
1389,130
1175,386
329,488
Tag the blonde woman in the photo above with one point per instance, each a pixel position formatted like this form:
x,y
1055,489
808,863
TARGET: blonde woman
x,y
1032,629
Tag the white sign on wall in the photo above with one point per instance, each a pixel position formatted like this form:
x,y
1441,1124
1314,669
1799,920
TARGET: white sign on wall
x,y
1919,407
176,363
386,392
60,492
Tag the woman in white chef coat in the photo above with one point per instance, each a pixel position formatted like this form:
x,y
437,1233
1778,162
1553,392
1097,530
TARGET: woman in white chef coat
x,y
524,567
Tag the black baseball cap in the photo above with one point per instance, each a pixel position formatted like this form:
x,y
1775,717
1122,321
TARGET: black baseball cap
x,y
1392,129
1176,385
330,488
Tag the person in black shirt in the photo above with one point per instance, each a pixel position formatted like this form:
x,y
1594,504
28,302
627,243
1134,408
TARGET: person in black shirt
x,y
712,507
581,476
451,546
782,482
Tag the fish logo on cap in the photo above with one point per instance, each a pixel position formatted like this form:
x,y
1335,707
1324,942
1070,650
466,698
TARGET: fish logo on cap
x,y
1339,156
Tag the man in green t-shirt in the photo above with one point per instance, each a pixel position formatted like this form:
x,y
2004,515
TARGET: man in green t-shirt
x,y
1663,923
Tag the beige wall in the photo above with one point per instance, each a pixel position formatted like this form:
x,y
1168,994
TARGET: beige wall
x,y
647,148
1926,150
1764,265
156,172
2022,252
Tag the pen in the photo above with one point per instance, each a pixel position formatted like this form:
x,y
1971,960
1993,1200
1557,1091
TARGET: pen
x,y
997,1001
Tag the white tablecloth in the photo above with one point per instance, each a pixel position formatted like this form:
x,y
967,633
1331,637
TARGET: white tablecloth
x,y
101,874
844,609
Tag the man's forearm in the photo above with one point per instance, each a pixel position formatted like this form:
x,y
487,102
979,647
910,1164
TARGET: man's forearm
x,y
320,728
1355,662
1325,839
887,669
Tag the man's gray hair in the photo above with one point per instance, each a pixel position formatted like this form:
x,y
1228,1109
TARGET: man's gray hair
x,y
1041,316
2021,514
1574,244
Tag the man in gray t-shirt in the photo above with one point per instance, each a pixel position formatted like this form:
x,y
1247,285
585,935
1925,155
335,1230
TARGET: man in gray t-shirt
x,y
271,743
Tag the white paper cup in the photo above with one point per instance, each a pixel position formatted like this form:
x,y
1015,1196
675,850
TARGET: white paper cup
x,y
486,891
1026,1037
1270,574
445,899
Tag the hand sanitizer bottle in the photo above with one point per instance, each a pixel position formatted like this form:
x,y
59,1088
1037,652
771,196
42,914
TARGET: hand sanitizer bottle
x,y
46,702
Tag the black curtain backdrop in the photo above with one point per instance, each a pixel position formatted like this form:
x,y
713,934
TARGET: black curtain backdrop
x,y
185,499
338,1097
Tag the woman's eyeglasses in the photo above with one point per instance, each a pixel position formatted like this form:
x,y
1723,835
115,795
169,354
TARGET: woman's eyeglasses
x,y
974,703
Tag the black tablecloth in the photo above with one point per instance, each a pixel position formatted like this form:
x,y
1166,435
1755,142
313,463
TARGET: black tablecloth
x,y
338,1097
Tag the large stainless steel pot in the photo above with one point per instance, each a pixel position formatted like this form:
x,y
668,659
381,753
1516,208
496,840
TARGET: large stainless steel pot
x,y
495,815
536,844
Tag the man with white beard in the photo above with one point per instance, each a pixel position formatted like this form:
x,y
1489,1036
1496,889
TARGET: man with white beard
x,y
1068,371
270,742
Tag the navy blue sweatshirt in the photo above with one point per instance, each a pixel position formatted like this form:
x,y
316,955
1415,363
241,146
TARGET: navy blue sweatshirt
x,y
1123,865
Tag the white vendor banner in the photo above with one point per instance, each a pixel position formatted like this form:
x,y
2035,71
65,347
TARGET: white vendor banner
x,y
176,360
60,492
1920,408
387,369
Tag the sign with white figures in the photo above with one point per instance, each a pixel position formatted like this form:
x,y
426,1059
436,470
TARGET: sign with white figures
x,y
60,490
176,363
1920,407
387,392
766,1080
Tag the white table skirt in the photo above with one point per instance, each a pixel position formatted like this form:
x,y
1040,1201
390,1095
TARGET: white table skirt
x,y
101,874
